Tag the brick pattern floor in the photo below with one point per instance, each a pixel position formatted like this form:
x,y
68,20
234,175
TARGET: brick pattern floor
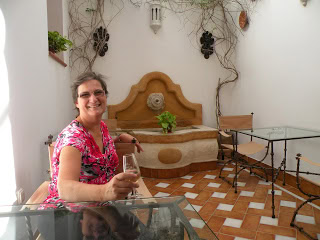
x,y
245,215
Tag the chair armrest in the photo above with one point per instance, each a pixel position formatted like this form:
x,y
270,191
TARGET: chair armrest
x,y
223,133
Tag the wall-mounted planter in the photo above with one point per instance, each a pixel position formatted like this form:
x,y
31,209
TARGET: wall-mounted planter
x,y
56,58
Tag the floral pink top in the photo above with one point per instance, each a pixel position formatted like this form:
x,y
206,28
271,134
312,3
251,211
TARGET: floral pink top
x,y
96,167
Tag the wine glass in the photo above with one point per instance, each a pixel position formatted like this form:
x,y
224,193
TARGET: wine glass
x,y
130,165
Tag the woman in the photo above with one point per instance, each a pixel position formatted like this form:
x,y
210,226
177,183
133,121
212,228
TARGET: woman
x,y
84,159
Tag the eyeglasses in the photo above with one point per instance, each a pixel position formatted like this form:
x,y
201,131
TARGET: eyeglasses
x,y
96,93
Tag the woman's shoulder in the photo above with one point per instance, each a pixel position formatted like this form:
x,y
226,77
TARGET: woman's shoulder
x,y
73,131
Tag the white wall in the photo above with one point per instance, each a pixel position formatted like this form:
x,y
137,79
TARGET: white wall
x,y
278,57
134,50
40,99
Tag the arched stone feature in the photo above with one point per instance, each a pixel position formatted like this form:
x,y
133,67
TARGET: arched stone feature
x,y
169,155
133,112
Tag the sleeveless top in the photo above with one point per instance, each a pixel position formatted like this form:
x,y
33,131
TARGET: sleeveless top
x,y
96,167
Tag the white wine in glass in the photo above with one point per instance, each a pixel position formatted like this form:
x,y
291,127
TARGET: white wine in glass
x,y
130,165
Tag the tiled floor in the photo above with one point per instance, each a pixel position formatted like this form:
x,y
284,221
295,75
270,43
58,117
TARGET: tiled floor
x,y
245,215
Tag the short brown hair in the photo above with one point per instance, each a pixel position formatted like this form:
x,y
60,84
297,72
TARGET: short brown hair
x,y
86,77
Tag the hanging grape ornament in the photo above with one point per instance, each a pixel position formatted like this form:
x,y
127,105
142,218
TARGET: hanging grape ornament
x,y
101,37
207,41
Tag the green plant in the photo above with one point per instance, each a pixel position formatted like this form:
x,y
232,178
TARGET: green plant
x,y
167,121
57,43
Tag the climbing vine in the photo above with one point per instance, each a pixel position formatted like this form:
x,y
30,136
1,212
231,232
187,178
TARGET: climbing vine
x,y
217,17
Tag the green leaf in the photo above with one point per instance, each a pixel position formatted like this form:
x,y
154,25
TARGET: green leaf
x,y
167,121
57,43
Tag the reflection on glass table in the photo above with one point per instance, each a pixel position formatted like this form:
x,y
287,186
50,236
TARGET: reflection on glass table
x,y
167,218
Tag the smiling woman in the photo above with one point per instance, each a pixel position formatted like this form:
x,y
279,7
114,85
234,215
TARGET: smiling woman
x,y
85,152
7,177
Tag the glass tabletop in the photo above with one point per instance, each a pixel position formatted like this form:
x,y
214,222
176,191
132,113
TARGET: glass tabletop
x,y
150,218
281,133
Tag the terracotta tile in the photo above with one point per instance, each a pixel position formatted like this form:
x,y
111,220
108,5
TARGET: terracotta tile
x,y
262,212
201,185
191,190
224,237
199,175
205,233
215,223
169,181
190,214
153,192
287,210
284,219
306,209
228,214
203,196
160,189
232,195
309,228
222,200
182,180
251,199
177,193
196,202
241,207
239,232
207,210
261,193
316,215
175,185
265,236
289,232
268,204
251,222
286,196
297,192
301,236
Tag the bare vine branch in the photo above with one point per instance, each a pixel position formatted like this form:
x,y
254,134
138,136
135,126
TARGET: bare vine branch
x,y
219,18
86,16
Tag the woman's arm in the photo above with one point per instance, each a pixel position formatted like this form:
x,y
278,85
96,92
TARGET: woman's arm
x,y
127,138
70,189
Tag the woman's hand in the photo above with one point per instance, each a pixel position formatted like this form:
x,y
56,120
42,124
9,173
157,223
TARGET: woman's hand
x,y
119,187
127,138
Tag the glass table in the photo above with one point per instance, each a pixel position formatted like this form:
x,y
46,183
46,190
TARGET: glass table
x,y
275,134
149,218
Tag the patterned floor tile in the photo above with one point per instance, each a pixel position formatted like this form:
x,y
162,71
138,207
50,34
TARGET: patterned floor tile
x,y
161,194
197,223
162,185
193,207
216,201
230,222
269,221
218,195
246,194
187,177
256,205
305,219
225,207
284,203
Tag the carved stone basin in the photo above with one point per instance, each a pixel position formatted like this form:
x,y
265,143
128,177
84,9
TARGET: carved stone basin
x,y
175,154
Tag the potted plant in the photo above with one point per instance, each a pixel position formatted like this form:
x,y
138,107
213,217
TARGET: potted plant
x,y
167,121
57,43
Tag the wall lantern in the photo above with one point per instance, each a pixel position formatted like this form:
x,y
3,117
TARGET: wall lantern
x,y
155,11
304,2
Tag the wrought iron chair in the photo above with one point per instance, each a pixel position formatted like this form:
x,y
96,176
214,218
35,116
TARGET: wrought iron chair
x,y
311,197
239,151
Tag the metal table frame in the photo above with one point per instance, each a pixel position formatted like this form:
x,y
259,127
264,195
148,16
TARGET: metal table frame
x,y
285,138
172,203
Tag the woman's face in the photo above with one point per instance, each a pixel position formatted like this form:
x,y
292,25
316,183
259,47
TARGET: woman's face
x,y
92,100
